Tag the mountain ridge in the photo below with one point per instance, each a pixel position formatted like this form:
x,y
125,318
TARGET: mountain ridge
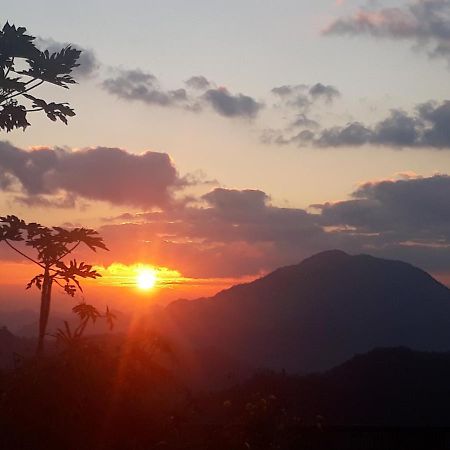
x,y
321,311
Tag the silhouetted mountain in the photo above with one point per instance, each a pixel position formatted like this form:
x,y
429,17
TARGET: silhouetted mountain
x,y
316,314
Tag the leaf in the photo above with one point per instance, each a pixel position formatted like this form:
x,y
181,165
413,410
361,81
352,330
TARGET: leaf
x,y
55,67
10,85
14,43
11,228
86,312
13,116
53,110
37,280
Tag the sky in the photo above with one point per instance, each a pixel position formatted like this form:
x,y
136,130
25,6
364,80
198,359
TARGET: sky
x,y
220,140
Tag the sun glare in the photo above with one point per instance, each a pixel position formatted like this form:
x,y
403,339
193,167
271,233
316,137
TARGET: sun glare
x,y
146,279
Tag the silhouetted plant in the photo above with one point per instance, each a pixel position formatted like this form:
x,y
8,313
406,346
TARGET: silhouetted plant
x,y
23,67
86,313
52,246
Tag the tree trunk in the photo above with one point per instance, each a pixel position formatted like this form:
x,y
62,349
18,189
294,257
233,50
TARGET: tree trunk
x,y
45,309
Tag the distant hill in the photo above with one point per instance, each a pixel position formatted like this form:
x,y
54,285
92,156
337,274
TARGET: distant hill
x,y
385,387
317,314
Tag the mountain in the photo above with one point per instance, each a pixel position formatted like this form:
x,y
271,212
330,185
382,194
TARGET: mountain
x,y
317,314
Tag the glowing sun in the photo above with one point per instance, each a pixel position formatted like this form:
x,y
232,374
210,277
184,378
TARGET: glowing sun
x,y
146,279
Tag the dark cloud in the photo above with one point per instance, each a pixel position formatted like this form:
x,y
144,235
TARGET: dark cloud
x,y
302,121
413,209
232,105
108,174
303,96
198,82
142,86
88,62
279,137
41,201
426,127
136,85
426,23
320,91
234,233
302,99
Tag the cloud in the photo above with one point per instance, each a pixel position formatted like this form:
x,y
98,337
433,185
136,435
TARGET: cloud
x,y
426,127
232,105
198,82
302,121
320,91
231,232
136,85
107,174
88,62
411,210
240,232
303,96
303,99
426,23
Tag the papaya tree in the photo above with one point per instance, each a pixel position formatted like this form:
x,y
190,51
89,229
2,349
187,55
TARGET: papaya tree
x,y
52,249
23,68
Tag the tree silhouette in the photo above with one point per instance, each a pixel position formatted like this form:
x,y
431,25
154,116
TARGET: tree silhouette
x,y
52,246
23,67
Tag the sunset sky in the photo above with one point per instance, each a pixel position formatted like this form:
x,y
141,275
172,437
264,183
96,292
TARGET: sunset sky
x,y
216,141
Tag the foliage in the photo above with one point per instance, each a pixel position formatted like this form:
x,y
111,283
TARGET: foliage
x,y
86,313
23,67
52,245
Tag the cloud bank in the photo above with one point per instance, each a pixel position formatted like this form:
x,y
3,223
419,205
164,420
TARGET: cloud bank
x,y
107,174
240,232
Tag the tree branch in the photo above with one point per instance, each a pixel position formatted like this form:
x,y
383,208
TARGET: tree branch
x,y
69,251
9,68
23,254
23,92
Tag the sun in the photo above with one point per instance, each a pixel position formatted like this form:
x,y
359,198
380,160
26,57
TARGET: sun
x,y
146,279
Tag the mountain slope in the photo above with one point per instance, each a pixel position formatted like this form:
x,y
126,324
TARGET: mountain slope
x,y
318,313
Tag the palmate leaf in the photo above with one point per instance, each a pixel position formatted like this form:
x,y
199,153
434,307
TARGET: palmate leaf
x,y
53,110
86,312
55,67
10,85
37,280
86,236
14,43
76,269
13,115
11,228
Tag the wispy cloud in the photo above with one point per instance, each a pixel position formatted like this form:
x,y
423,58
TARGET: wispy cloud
x,y
425,23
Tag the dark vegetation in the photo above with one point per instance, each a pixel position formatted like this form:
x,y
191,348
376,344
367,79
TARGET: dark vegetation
x,y
132,395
